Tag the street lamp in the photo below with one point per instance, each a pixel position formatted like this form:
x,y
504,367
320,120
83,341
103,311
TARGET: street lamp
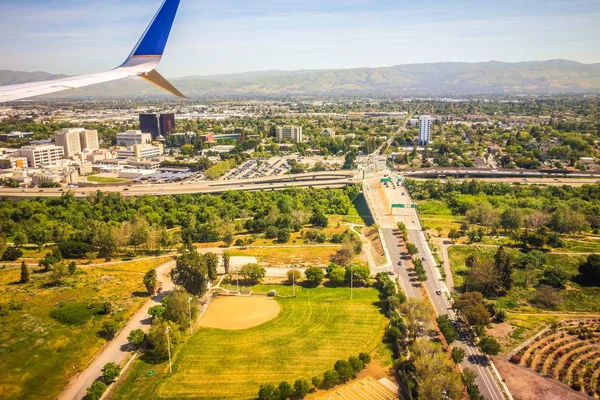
x,y
169,349
351,280
190,310
294,282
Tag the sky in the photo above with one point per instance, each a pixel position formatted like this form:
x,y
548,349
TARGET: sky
x,y
228,36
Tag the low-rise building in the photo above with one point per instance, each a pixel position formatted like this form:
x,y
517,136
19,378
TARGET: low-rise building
x,y
141,151
13,162
133,137
38,156
5,137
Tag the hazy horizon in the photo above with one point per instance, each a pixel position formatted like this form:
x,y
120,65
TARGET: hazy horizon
x,y
212,37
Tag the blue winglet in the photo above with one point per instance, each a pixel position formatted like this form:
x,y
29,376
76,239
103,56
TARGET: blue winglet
x,y
154,39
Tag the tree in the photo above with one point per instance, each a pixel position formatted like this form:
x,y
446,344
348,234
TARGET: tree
x,y
12,254
447,328
25,276
547,297
330,378
252,272
74,249
268,392
59,271
283,235
140,233
301,388
136,337
191,272
317,382
95,391
472,307
212,263
359,273
411,248
319,219
489,346
293,275
157,311
285,390
344,369
356,364
589,270
314,274
511,219
72,268
20,238
342,256
436,375
110,329
157,339
365,358
457,355
556,277
226,261
178,306
337,275
110,372
416,315
150,281
107,308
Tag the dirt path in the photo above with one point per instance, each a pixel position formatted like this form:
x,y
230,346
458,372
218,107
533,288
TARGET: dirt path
x,y
116,349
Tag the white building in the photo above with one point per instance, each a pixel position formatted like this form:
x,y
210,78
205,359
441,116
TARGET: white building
x,y
39,155
142,151
424,129
68,139
12,162
132,137
89,139
289,132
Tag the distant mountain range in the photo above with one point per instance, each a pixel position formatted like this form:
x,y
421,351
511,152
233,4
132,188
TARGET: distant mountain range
x,y
437,79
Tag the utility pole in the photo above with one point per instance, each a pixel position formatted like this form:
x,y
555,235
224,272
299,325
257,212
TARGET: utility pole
x,y
294,282
169,349
237,277
190,310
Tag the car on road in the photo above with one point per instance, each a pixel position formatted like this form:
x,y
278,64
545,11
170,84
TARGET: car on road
x,y
159,290
438,292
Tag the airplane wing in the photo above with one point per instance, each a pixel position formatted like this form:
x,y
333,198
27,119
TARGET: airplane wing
x,y
142,62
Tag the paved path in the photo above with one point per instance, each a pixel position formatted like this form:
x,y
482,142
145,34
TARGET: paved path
x,y
116,349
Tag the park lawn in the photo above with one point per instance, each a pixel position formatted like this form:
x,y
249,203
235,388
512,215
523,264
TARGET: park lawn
x,y
311,332
580,246
36,351
315,255
104,179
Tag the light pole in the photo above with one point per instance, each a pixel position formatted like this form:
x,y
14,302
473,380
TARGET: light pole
x,y
294,282
237,277
169,349
190,310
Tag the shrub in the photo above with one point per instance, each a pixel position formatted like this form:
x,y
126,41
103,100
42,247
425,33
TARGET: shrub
x,y
314,275
268,392
110,329
11,254
285,390
365,358
110,372
330,378
515,359
74,249
301,388
337,275
136,337
75,313
96,390
317,382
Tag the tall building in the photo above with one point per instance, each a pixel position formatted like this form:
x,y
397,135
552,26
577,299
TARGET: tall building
x,y
38,155
141,151
149,124
424,129
131,137
289,132
68,139
167,124
89,139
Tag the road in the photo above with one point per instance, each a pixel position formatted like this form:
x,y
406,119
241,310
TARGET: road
x,y
329,180
116,349
380,200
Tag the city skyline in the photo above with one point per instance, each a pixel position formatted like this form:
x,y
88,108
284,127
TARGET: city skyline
x,y
61,36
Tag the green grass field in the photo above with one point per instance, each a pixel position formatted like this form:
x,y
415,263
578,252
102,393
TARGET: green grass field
x,y
104,179
311,332
38,354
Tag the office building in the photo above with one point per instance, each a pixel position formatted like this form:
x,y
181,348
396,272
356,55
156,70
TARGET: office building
x,y
149,124
167,124
68,139
89,140
289,132
131,137
5,137
39,155
13,162
424,129
141,151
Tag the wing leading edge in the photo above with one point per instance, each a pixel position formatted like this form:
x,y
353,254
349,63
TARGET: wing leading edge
x,y
142,62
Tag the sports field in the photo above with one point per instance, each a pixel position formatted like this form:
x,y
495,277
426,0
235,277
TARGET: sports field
x,y
309,334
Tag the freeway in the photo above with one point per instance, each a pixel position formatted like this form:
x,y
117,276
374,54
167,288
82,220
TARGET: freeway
x,y
498,173
320,180
380,199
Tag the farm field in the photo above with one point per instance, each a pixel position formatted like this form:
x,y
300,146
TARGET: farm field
x,y
311,332
36,350
569,353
